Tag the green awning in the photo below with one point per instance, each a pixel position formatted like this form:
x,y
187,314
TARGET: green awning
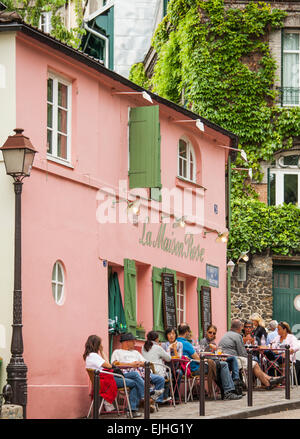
x,y
116,315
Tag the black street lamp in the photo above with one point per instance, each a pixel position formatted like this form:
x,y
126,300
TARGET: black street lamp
x,y
18,154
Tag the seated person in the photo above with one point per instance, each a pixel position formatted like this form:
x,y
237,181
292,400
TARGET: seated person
x,y
172,346
232,344
284,337
259,331
250,339
189,351
95,358
175,349
272,331
154,353
208,343
128,356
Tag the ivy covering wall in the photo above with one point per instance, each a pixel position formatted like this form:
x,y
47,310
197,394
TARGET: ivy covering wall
x,y
217,61
31,10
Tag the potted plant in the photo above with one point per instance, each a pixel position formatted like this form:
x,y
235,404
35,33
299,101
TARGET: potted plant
x,y
140,331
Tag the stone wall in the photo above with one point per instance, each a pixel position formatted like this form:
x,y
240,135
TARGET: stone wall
x,y
255,294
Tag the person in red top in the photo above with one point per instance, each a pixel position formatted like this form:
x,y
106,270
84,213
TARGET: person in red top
x,y
95,358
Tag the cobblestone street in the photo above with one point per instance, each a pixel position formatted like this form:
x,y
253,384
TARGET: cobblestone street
x,y
264,402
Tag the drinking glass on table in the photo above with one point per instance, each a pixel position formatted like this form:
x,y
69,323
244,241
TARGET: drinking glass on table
x,y
201,348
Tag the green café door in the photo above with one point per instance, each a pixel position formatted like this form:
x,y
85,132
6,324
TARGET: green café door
x,y
286,296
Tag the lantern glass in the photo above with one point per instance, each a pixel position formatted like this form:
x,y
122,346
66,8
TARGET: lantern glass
x,y
28,161
18,161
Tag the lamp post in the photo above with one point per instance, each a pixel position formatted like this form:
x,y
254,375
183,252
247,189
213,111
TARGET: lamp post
x,y
18,154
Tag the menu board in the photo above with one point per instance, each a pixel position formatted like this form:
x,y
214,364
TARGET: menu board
x,y
205,308
169,300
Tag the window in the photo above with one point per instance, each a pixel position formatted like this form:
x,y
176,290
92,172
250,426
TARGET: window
x,y
58,283
180,301
284,180
186,161
290,68
165,7
45,22
58,118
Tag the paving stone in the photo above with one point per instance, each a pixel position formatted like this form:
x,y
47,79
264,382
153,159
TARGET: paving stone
x,y
264,401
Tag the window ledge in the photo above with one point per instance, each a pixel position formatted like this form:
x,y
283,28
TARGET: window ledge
x,y
182,182
59,161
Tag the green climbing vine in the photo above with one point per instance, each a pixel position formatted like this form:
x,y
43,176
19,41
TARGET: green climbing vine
x,y
217,60
30,11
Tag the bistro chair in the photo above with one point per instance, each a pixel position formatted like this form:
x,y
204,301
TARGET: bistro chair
x,y
293,374
123,393
168,378
194,379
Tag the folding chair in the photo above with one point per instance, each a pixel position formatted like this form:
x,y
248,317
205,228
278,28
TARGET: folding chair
x,y
192,380
168,379
293,374
122,391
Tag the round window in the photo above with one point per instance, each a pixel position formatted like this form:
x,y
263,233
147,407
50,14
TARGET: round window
x,y
58,283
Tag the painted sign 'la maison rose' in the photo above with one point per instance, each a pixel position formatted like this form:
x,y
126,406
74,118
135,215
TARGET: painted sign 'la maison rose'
x,y
184,249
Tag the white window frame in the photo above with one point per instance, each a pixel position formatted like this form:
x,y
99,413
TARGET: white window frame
x,y
55,282
45,26
181,279
291,31
190,150
53,156
280,171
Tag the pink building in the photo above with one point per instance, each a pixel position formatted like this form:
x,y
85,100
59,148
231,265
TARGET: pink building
x,y
103,144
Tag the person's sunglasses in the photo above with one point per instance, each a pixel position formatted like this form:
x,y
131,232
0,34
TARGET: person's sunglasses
x,y
247,327
211,332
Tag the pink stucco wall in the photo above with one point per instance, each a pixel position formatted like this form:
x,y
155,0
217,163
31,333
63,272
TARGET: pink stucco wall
x,y
59,223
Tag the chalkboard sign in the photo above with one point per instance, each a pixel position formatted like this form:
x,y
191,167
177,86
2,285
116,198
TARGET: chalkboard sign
x,y
169,300
205,308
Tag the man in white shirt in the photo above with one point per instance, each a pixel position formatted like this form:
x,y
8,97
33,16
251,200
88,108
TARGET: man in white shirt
x,y
273,331
133,360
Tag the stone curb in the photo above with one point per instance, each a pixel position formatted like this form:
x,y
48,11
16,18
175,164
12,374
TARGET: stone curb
x,y
251,412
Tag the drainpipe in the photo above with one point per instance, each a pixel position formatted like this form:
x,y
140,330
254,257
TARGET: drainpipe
x,y
229,226
102,37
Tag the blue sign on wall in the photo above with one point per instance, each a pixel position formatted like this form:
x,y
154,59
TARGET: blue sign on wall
x,y
212,275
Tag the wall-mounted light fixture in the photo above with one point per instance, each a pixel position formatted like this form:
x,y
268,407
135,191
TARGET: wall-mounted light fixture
x,y
222,236
243,153
179,222
132,206
144,94
243,254
199,123
249,170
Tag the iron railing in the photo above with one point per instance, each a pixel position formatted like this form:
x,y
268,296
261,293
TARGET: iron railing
x,y
288,96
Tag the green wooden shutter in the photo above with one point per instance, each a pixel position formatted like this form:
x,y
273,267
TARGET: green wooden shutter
x,y
144,147
158,319
130,295
200,283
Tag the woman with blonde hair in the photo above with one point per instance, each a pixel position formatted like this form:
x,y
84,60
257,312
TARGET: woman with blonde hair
x,y
259,330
